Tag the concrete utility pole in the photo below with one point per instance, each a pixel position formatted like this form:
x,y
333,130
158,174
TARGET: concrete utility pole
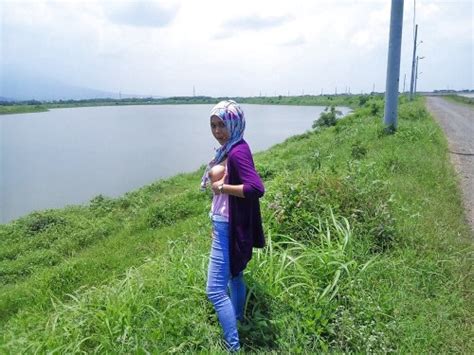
x,y
412,81
393,65
416,75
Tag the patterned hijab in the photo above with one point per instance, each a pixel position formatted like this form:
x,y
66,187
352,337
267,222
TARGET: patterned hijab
x,y
233,117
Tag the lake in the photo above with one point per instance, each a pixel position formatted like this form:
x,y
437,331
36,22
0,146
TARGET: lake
x,y
68,156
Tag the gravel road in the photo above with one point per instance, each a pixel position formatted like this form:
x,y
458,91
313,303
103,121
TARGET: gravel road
x,y
457,121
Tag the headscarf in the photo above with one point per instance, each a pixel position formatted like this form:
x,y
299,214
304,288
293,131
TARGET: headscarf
x,y
233,117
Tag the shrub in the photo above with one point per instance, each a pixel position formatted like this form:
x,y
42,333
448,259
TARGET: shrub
x,y
102,205
36,222
301,206
327,118
363,99
376,107
358,150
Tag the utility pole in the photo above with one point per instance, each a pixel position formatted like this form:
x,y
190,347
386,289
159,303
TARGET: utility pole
x,y
416,75
393,65
404,81
412,81
416,71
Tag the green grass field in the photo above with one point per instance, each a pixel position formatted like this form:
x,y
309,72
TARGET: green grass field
x,y
367,251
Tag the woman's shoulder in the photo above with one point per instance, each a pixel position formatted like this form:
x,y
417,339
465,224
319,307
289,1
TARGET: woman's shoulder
x,y
240,148
240,154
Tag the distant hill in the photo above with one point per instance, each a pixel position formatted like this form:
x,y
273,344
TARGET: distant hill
x,y
14,86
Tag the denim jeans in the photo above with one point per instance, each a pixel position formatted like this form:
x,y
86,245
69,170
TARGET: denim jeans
x,y
219,279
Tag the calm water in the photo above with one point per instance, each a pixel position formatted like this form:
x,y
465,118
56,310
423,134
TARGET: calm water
x,y
68,156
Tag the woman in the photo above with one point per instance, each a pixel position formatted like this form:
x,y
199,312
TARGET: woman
x,y
235,215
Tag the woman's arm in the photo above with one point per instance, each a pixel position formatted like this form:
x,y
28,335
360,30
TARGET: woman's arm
x,y
234,190
241,164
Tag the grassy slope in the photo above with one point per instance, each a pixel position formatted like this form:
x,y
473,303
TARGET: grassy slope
x,y
461,99
397,276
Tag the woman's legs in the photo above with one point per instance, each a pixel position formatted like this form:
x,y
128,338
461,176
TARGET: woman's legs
x,y
238,295
217,283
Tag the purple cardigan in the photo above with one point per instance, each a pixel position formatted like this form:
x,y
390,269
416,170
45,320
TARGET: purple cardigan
x,y
245,221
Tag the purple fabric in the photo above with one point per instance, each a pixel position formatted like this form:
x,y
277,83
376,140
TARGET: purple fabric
x,y
245,221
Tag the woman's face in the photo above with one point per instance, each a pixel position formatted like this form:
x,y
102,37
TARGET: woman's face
x,y
219,130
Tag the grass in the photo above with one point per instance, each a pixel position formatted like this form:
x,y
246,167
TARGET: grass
x,y
41,106
20,108
461,99
367,251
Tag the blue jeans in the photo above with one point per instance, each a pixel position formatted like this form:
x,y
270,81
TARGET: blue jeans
x,y
229,309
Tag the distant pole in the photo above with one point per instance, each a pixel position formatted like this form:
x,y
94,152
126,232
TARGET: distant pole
x,y
416,75
412,81
393,64
414,16
335,92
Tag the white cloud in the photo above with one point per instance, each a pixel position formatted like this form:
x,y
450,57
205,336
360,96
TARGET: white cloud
x,y
296,41
141,13
224,48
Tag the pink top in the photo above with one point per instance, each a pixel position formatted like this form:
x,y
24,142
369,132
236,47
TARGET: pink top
x,y
220,207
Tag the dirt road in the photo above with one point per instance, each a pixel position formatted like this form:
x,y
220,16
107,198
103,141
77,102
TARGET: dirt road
x,y
457,121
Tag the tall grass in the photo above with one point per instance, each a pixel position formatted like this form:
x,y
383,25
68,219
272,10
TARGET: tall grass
x,y
145,311
367,251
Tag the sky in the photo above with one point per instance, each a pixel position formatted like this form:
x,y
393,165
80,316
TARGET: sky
x,y
234,48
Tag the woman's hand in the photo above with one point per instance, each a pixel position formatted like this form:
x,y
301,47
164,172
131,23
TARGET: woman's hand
x,y
215,185
234,190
